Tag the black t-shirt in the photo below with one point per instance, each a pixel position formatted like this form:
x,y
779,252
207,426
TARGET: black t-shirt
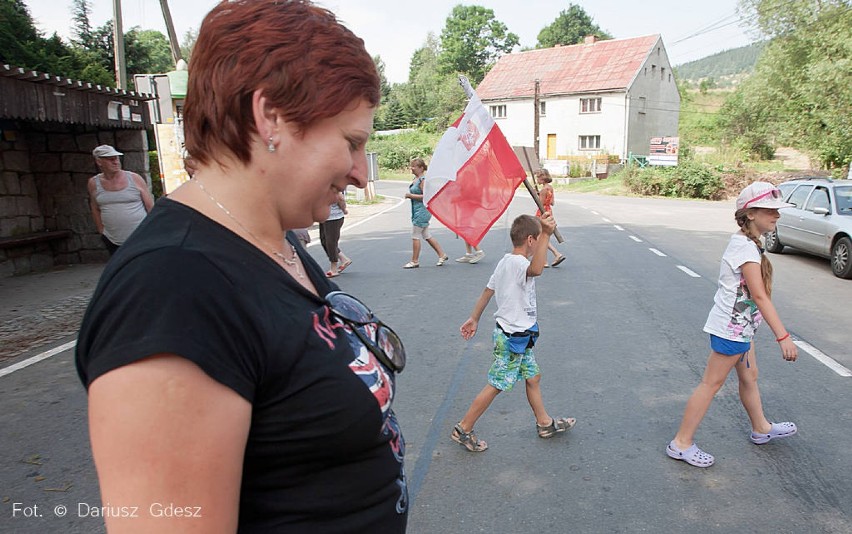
x,y
324,451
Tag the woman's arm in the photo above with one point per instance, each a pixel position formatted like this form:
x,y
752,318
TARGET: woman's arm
x,y
166,434
754,280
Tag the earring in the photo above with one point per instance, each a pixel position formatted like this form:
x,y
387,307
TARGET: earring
x,y
271,146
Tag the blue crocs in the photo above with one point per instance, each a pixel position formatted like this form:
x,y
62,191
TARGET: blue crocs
x,y
777,430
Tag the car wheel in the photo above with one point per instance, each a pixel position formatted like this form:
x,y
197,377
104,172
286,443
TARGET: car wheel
x,y
841,258
770,239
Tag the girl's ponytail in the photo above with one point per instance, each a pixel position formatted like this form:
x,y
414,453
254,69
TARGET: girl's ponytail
x,y
746,226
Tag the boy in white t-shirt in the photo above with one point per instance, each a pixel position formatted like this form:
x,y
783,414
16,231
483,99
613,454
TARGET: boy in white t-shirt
x,y
513,283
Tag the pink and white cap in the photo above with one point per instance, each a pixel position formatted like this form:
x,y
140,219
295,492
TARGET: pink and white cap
x,y
761,195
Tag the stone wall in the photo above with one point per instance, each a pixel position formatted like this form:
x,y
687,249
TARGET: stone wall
x,y
44,169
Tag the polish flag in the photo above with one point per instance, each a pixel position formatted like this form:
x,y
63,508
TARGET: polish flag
x,y
473,174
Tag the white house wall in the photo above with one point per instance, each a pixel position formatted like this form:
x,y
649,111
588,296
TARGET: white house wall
x,y
649,107
563,118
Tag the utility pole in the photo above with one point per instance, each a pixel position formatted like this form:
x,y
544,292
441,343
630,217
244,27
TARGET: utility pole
x,y
536,111
118,40
170,29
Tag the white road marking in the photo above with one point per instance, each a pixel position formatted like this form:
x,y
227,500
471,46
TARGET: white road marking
x,y
689,272
822,357
595,213
657,252
634,238
37,358
620,229
606,220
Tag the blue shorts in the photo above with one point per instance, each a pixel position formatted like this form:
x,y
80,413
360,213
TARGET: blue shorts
x,y
508,368
727,347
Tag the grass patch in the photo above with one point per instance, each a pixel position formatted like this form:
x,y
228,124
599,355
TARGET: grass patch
x,y
399,175
612,185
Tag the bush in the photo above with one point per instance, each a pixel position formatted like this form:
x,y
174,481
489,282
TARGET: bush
x,y
396,151
688,180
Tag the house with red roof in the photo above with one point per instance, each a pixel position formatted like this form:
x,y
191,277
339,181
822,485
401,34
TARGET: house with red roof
x,y
598,97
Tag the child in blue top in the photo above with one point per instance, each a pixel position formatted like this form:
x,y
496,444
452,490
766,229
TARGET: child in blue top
x,y
742,302
513,284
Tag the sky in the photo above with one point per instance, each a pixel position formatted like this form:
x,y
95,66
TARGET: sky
x,y
394,29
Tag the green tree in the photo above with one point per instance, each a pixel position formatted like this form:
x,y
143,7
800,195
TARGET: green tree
x,y
471,42
800,92
81,11
19,38
570,27
147,52
188,43
383,80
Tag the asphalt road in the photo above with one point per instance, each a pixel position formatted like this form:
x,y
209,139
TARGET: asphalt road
x,y
621,350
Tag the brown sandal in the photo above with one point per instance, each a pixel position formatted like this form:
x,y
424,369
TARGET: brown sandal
x,y
467,440
556,425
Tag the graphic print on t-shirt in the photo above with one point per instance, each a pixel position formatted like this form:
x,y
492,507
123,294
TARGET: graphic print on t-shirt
x,y
377,378
745,314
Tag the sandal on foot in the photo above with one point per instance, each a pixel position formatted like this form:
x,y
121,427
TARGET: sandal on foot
x,y
559,260
556,425
329,274
693,455
442,260
467,440
343,267
778,430
411,265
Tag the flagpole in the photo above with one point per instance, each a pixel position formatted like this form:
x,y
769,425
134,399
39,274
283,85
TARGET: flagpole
x,y
468,90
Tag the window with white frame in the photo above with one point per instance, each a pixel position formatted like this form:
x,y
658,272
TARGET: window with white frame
x,y
542,109
590,105
498,112
590,142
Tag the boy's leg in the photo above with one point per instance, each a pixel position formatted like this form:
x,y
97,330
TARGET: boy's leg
x,y
481,403
718,368
536,402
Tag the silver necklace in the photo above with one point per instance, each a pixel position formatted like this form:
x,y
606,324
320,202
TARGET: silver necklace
x,y
292,261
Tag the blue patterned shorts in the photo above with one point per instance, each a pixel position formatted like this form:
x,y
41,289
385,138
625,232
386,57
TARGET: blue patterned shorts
x,y
508,368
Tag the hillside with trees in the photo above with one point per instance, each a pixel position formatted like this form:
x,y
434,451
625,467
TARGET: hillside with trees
x,y
725,69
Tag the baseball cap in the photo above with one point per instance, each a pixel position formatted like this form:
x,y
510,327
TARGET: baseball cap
x,y
761,195
105,151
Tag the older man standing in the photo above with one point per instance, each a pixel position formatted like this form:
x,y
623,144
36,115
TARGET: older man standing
x,y
119,199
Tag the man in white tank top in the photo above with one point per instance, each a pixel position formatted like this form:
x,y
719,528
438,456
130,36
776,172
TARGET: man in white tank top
x,y
119,199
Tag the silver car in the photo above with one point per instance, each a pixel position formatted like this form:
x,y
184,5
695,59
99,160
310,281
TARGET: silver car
x,y
820,222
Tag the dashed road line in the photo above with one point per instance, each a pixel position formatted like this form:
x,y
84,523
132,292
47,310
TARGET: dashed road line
x,y
634,238
689,271
619,228
657,252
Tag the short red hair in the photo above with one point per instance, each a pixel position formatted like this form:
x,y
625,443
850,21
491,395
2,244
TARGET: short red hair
x,y
307,64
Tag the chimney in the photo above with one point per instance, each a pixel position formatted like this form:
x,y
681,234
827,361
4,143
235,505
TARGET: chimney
x,y
590,39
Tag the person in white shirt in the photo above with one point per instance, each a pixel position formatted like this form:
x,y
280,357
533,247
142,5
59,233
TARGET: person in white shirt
x,y
513,285
742,302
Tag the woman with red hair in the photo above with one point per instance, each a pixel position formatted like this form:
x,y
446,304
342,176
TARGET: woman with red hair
x,y
227,377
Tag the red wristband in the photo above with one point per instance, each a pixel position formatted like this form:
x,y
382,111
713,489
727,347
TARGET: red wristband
x,y
782,338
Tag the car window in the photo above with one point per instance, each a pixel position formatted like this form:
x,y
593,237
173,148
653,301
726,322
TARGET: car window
x,y
843,196
785,189
819,199
799,195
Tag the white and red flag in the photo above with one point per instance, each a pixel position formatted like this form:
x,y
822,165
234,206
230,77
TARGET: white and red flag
x,y
473,174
